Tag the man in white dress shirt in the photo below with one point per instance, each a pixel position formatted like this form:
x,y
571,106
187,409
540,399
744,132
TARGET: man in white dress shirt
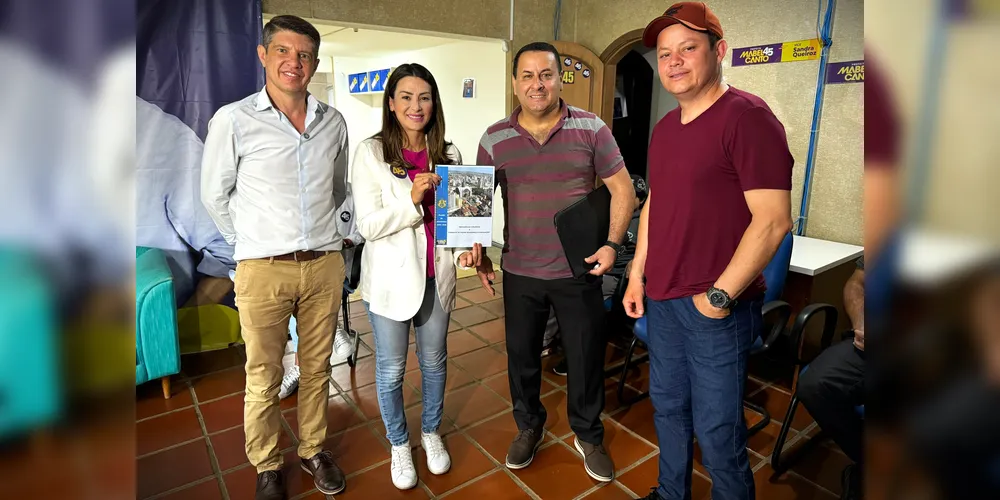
x,y
273,174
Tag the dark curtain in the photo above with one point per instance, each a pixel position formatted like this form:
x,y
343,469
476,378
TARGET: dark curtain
x,y
194,56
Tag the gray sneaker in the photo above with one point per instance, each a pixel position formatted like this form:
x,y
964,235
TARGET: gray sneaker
x,y
596,460
522,450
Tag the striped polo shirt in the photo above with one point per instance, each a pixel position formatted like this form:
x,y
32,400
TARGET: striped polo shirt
x,y
538,180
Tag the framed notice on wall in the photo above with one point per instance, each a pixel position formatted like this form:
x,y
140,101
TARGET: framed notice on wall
x,y
469,88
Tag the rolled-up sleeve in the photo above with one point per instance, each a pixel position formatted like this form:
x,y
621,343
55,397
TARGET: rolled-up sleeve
x,y
218,172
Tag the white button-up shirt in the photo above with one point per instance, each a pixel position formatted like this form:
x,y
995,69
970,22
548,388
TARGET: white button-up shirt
x,y
270,189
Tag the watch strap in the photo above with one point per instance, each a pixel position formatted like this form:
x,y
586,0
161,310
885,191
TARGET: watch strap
x,y
614,246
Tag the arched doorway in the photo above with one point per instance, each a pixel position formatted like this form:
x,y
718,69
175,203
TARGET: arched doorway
x,y
634,100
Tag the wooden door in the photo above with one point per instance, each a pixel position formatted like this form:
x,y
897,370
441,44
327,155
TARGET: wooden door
x,y
582,76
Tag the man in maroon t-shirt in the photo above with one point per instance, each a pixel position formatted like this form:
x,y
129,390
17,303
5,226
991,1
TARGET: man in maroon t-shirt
x,y
718,208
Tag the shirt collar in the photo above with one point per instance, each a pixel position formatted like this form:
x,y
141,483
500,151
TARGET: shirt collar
x,y
264,101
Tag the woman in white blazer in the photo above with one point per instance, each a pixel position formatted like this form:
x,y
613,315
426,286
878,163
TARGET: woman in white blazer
x,y
404,278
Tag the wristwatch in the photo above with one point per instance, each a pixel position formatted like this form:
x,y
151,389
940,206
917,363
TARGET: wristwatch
x,y
614,246
719,298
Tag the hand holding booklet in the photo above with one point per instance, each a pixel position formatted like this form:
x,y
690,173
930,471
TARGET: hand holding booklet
x,y
463,210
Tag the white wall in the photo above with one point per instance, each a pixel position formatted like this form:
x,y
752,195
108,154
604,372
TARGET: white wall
x,y
361,112
319,86
465,119
662,102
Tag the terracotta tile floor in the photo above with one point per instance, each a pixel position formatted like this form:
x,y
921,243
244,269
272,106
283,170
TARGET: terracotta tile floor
x,y
192,446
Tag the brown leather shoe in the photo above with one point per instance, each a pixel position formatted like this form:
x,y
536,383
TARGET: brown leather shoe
x,y
522,449
596,460
271,486
327,477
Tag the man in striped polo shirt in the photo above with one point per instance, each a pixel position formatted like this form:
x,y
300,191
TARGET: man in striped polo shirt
x,y
548,155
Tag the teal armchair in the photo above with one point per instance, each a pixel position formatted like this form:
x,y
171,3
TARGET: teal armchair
x,y
157,348
30,374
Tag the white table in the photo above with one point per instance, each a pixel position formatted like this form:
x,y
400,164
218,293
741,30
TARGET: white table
x,y
812,256
929,258
819,270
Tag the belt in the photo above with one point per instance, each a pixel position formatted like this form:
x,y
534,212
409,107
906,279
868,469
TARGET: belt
x,y
302,255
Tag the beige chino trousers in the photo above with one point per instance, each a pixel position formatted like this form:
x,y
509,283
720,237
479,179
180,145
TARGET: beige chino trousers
x,y
268,293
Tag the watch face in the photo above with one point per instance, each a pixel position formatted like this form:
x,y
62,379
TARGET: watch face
x,y
717,299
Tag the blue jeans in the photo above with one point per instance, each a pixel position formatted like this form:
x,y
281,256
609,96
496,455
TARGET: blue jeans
x,y
392,338
697,372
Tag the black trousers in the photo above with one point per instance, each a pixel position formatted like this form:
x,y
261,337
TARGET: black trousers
x,y
579,308
830,389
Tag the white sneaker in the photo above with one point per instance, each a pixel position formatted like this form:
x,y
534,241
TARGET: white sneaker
x,y
438,460
290,382
342,345
404,474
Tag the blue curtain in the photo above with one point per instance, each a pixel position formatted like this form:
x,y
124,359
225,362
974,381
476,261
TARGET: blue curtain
x,y
194,56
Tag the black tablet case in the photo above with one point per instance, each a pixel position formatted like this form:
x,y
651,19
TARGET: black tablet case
x,y
583,228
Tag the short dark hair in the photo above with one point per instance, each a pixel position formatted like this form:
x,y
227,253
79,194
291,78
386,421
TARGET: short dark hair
x,y
536,47
713,39
294,24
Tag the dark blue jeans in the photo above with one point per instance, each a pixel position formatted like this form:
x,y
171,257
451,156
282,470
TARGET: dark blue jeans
x,y
698,368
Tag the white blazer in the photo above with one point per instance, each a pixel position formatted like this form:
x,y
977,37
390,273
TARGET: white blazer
x,y
394,261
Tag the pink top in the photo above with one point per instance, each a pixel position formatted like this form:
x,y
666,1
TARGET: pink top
x,y
419,160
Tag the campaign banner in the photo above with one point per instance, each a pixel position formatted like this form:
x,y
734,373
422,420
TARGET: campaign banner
x,y
846,72
760,54
801,50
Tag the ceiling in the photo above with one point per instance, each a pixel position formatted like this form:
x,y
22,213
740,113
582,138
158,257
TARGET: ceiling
x,y
338,41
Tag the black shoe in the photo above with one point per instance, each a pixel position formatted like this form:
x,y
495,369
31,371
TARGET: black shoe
x,y
270,486
560,369
653,495
850,483
522,450
327,477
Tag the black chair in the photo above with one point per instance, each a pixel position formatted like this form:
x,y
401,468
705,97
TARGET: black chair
x,y
350,285
796,342
776,314
640,337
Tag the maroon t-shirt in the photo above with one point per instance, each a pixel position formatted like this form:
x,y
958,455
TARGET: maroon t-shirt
x,y
881,124
419,160
698,173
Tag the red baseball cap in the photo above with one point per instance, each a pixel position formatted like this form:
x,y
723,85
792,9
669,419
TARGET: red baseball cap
x,y
694,15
